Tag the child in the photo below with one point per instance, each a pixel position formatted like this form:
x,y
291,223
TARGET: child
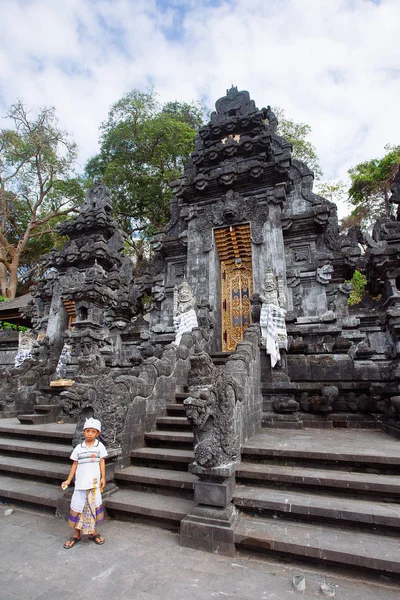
x,y
90,478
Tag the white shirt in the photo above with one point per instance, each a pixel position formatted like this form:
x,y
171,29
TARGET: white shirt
x,y
87,474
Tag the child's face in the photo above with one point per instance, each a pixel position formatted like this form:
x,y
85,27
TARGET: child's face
x,y
90,434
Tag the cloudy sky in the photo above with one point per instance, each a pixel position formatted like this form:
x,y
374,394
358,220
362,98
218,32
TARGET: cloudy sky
x,y
334,64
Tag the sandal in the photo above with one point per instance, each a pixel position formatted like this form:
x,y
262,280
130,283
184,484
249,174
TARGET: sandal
x,y
97,539
72,541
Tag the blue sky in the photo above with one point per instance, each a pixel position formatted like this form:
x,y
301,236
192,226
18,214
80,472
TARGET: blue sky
x,y
334,65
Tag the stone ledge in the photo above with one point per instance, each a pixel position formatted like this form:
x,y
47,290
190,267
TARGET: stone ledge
x,y
325,544
157,477
150,505
388,485
318,506
43,494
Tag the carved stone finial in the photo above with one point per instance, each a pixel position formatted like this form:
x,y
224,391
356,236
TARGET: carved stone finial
x,y
97,198
324,274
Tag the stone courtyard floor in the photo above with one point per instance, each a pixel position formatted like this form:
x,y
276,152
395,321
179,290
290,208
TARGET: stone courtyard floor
x,y
141,562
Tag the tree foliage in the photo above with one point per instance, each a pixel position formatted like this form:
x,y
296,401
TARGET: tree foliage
x,y
371,181
37,189
335,191
143,147
296,134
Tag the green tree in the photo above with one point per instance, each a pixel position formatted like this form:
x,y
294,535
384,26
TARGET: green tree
x,y
335,191
37,188
143,147
371,181
296,134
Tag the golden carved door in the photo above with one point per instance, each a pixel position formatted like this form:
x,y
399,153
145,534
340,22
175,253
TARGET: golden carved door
x,y
234,249
237,284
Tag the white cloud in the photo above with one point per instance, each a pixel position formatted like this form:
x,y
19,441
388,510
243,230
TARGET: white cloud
x,y
334,65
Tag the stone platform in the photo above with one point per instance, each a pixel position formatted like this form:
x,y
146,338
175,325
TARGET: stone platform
x,y
331,496
326,445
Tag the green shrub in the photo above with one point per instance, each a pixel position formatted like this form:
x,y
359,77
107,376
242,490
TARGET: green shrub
x,y
359,283
5,325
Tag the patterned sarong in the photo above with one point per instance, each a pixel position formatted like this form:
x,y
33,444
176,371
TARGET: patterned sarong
x,y
86,510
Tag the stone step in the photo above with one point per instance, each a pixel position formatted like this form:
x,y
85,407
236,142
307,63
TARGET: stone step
x,y
32,492
43,413
331,545
349,481
62,431
219,358
173,423
47,407
173,456
138,504
328,448
36,418
272,420
156,477
176,409
181,396
318,506
34,447
31,467
170,437
391,428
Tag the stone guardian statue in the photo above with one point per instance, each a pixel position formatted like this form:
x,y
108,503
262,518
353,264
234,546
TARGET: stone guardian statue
x,y
185,318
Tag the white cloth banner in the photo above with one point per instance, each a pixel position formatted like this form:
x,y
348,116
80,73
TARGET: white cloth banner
x,y
183,323
273,329
25,344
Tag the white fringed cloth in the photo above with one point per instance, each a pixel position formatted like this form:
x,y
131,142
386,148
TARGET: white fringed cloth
x,y
183,323
273,329
21,356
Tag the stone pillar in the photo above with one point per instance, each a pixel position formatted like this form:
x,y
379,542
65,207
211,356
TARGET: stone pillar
x,y
210,525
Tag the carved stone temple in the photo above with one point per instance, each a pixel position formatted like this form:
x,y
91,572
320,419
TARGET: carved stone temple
x,y
238,324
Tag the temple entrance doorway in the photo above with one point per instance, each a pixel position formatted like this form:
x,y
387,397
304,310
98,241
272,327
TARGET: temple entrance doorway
x,y
234,251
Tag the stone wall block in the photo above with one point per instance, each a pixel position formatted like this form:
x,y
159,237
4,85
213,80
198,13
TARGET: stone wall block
x,y
212,493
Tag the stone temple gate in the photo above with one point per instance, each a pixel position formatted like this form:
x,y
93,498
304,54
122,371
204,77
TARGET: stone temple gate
x,y
242,311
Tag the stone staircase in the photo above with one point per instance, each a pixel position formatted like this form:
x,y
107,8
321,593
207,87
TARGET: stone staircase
x,y
328,496
34,460
157,485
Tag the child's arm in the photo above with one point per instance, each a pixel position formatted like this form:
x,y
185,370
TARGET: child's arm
x,y
72,471
102,473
